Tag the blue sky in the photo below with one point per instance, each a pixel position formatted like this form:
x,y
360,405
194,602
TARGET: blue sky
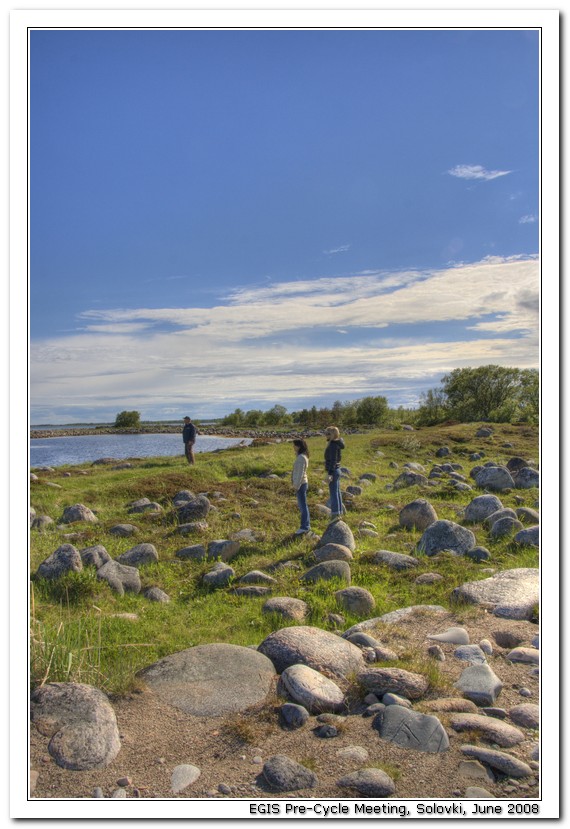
x,y
240,218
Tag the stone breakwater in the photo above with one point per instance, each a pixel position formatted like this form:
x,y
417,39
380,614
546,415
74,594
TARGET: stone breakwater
x,y
218,431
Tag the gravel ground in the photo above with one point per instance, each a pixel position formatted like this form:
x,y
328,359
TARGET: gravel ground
x,y
230,751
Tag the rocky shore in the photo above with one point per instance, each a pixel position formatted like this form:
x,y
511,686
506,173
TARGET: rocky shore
x,y
156,429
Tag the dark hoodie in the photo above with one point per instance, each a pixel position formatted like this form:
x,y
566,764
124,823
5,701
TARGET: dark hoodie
x,y
332,454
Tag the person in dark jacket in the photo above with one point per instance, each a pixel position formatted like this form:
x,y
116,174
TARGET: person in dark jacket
x,y
332,465
189,438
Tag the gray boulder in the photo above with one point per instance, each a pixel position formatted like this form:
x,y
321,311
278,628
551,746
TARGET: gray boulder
x,y
478,554
411,730
530,536
369,783
78,512
419,514
333,552
396,561
219,576
124,530
286,775
526,715
356,600
195,552
504,527
294,716
139,555
327,570
495,478
490,728
310,689
223,549
446,535
144,505
381,681
40,522
527,478
81,723
155,594
120,577
479,684
505,512
257,577
319,649
516,463
211,680
95,556
528,515
295,610
63,560
338,532
511,594
194,510
410,478
483,432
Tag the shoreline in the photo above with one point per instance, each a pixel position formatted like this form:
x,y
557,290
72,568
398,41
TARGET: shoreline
x,y
213,431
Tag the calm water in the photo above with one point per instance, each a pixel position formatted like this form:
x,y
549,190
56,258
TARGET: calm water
x,y
89,448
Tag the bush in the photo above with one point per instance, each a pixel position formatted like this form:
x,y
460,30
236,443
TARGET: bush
x,y
128,420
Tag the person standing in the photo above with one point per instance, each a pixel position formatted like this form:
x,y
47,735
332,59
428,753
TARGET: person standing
x,y
189,438
301,483
332,465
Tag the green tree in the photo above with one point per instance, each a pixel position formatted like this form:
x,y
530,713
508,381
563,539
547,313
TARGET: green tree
x,y
372,411
276,416
433,407
128,420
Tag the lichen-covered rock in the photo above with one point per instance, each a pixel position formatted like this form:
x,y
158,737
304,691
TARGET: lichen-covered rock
x,y
319,649
63,560
78,512
338,532
120,577
139,555
446,535
512,594
495,478
393,680
356,600
95,556
419,514
194,509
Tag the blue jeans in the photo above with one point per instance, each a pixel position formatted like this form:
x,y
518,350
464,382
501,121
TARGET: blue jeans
x,y
303,507
334,491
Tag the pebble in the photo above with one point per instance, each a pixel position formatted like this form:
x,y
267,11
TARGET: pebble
x,y
123,782
224,789
257,760
326,731
436,653
119,793
525,692
98,792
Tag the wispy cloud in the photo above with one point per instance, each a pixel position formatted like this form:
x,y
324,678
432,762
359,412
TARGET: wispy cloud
x,y
528,220
340,249
476,171
295,341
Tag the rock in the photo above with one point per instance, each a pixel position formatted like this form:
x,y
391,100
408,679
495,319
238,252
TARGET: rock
x,y
512,594
530,537
247,536
81,723
326,731
479,684
527,515
436,653
525,692
486,647
40,522
65,559
481,508
155,594
393,617
294,716
374,709
97,792
478,554
78,512
119,794
516,463
505,512
196,552
394,699
474,770
470,653
194,509
506,639
295,610
220,576
356,600
328,570
138,556
311,689
338,533
385,680
411,730
484,432
224,550
505,763
123,782
443,452
368,476
319,649
192,527
183,776
530,656
526,714
369,783
333,552
419,514
252,590
123,530
396,561
491,711
353,489
446,704
257,577
504,527
446,535
94,556
452,636
409,478
489,728
211,680
526,478
428,578
143,505
477,793
120,577
183,497
285,775
353,754
494,478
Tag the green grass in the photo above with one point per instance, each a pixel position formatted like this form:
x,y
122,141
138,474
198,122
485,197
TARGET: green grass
x,y
76,632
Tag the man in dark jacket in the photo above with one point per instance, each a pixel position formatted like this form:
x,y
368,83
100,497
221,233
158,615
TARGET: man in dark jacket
x,y
189,438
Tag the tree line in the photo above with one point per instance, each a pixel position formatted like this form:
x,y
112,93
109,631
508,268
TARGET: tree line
x,y
489,393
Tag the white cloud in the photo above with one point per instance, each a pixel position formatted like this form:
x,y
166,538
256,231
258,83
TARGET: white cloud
x,y
292,341
476,171
528,220
341,249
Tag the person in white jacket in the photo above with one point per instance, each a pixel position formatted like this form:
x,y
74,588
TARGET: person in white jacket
x,y
301,483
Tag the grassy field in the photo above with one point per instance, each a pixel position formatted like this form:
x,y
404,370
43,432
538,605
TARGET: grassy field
x,y
81,631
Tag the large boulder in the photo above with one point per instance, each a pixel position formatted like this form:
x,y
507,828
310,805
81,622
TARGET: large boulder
x,y
193,510
211,680
120,577
313,690
411,730
319,649
511,594
494,478
526,478
446,535
338,532
139,555
63,560
419,514
333,552
81,723
78,512
356,600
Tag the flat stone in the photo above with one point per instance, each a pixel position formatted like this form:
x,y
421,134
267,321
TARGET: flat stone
x,y
479,684
369,783
393,680
81,723
453,636
530,656
319,649
183,776
328,570
490,729
526,714
448,536
333,552
338,532
211,680
474,770
505,763
139,555
356,600
396,561
450,704
511,594
394,616
286,775
411,730
477,793
353,754
252,590
288,608
470,653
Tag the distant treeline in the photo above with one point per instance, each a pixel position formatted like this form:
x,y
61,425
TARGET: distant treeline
x,y
490,393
